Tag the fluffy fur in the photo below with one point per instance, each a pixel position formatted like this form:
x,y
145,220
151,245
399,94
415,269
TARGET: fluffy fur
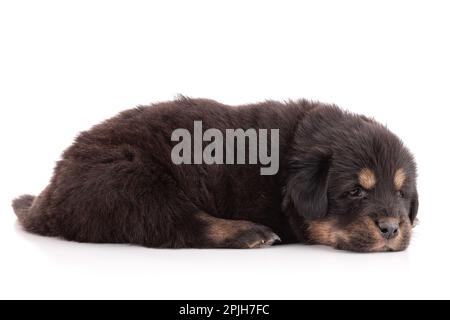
x,y
117,184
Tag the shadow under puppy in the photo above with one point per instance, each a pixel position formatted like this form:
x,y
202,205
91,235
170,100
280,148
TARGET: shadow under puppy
x,y
344,181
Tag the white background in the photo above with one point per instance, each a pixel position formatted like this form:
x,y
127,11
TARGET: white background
x,y
66,65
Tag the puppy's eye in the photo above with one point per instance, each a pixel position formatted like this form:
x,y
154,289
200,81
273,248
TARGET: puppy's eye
x,y
400,194
357,193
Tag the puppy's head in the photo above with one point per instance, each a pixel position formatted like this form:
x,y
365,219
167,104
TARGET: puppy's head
x,y
352,183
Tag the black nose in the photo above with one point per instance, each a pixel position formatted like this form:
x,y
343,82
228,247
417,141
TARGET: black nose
x,y
388,228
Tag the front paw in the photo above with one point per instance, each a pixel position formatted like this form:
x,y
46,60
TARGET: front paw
x,y
257,236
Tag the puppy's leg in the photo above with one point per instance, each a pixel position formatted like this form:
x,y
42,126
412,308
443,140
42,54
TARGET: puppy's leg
x,y
239,234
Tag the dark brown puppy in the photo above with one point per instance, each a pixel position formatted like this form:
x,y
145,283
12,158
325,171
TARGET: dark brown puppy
x,y
344,181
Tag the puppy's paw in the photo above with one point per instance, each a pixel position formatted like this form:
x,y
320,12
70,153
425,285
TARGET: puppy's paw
x,y
237,234
255,237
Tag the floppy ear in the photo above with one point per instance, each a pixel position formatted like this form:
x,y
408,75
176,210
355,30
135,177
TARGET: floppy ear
x,y
414,207
307,185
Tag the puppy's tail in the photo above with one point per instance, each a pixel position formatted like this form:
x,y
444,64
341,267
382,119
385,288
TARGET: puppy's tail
x,y
21,206
30,218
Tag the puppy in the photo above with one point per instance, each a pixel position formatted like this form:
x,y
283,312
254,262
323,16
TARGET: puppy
x,y
344,181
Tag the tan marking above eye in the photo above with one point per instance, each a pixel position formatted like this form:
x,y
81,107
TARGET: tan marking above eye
x,y
399,178
367,178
